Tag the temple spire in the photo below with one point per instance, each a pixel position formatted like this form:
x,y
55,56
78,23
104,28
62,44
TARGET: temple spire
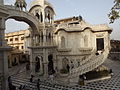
x,y
20,4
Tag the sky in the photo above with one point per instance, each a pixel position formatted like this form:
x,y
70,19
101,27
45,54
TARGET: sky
x,y
92,11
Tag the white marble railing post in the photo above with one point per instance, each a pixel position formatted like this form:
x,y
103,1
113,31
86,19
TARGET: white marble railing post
x,y
94,62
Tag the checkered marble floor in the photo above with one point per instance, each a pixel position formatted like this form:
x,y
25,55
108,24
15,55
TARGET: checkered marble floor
x,y
110,84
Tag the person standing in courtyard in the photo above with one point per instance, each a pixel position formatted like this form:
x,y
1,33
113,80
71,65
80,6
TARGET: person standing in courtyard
x,y
68,68
10,83
31,78
38,84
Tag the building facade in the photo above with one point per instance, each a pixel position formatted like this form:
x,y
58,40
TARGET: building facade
x,y
75,47
68,45
19,53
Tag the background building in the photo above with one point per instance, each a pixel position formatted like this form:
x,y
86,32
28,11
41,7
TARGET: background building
x,y
115,50
17,41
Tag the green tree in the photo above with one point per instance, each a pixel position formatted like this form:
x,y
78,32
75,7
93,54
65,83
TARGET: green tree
x,y
115,11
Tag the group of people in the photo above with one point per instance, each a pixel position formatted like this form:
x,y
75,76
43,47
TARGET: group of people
x,y
38,82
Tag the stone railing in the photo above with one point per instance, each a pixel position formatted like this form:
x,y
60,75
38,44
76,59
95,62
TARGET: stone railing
x,y
67,25
89,64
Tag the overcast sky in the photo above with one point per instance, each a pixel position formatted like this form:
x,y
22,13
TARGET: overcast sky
x,y
92,11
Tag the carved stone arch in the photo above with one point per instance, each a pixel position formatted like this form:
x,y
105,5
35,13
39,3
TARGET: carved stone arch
x,y
38,8
34,7
86,28
49,14
60,29
24,19
50,9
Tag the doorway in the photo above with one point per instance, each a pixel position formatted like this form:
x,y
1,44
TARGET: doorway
x,y
37,64
100,44
50,65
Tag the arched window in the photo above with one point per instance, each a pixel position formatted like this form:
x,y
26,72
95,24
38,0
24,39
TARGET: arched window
x,y
62,42
37,15
41,16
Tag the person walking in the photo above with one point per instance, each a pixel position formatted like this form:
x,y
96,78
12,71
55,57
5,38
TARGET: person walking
x,y
31,79
10,83
38,84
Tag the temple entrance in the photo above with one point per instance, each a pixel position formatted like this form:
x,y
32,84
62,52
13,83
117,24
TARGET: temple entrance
x,y
37,64
50,65
100,44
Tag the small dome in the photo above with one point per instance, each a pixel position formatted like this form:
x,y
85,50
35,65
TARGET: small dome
x,y
20,4
40,3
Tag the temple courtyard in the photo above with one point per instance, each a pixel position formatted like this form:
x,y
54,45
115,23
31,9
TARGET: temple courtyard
x,y
22,77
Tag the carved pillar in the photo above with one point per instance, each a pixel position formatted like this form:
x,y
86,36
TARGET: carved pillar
x,y
40,39
32,62
44,37
45,62
2,32
3,56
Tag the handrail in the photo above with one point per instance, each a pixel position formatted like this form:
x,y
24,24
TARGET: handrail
x,y
90,65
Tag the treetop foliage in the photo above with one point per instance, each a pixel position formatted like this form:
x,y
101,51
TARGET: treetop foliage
x,y
115,11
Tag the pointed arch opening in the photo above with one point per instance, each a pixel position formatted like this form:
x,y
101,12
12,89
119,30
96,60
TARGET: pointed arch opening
x,y
50,65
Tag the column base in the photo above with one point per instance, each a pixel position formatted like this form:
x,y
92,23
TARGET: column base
x,y
4,66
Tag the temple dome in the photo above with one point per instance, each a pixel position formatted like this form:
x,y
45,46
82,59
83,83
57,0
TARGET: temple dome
x,y
40,3
20,4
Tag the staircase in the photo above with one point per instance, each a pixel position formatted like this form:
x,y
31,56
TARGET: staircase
x,y
87,65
